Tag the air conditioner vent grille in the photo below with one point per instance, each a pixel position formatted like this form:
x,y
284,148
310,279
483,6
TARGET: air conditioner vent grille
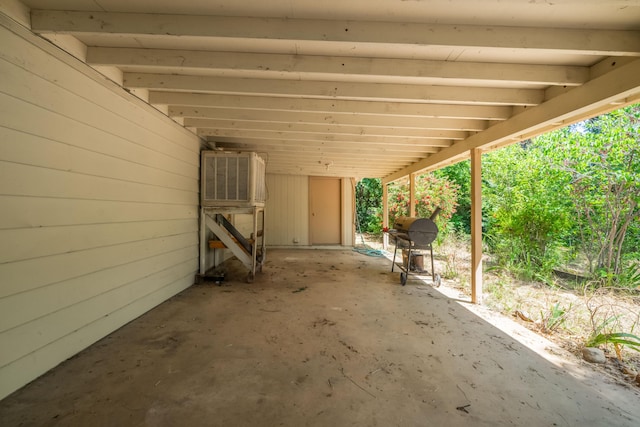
x,y
232,179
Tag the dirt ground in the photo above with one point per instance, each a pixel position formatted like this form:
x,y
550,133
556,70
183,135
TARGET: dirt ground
x,y
321,338
533,304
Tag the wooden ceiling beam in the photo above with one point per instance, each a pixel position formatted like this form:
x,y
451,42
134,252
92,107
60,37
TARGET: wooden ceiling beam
x,y
335,90
349,33
333,106
203,117
299,147
337,133
598,95
337,68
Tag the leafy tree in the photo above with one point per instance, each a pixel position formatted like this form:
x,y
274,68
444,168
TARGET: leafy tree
x,y
460,174
369,205
526,202
578,186
431,192
602,158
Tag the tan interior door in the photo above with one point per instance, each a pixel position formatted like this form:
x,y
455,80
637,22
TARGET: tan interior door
x,y
324,211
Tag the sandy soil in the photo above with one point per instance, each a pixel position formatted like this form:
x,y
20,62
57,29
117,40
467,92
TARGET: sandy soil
x,y
582,311
320,338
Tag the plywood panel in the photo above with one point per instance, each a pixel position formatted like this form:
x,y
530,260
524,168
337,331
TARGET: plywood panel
x,y
287,210
99,196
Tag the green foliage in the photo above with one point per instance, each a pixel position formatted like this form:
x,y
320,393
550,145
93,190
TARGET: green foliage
x,y
601,158
575,188
431,192
369,205
526,208
617,338
555,317
630,276
575,191
607,322
460,175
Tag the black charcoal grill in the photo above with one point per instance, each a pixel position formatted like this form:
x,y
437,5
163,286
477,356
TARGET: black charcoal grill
x,y
414,236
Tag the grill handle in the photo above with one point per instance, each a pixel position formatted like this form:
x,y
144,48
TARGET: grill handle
x,y
435,213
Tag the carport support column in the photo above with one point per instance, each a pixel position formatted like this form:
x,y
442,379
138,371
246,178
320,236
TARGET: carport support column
x,y
412,194
385,215
476,226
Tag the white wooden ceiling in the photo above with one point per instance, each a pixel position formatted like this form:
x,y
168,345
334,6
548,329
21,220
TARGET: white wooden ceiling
x,y
365,88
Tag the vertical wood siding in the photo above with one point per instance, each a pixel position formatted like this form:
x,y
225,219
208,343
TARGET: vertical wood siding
x,y
287,210
98,207
348,211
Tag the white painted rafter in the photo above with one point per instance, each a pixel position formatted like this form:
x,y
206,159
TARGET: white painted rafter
x,y
579,41
297,86
328,129
238,117
334,106
335,90
437,138
335,68
595,97
378,147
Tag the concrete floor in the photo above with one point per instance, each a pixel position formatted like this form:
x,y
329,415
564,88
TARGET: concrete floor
x,y
321,338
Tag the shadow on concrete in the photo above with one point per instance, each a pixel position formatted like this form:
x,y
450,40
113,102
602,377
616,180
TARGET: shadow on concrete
x,y
320,338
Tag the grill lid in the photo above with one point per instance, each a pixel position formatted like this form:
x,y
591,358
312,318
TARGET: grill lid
x,y
421,231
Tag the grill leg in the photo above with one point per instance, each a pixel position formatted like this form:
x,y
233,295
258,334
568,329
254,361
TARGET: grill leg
x,y
433,271
393,264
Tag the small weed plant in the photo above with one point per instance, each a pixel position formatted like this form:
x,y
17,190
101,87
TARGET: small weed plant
x,y
610,326
554,318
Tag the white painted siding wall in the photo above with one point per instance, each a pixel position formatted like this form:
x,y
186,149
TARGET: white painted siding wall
x,y
98,207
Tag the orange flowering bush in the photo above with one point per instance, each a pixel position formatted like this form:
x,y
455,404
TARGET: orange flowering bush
x,y
431,192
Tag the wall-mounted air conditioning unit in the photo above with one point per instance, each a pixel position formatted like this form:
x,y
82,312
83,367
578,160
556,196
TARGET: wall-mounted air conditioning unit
x,y
232,179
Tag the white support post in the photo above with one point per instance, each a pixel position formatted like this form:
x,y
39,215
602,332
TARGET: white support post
x,y
203,243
